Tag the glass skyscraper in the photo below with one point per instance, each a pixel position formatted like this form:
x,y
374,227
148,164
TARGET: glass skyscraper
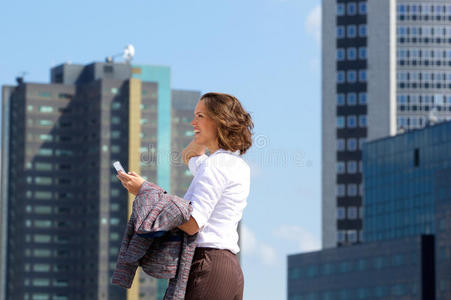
x,y
400,178
406,253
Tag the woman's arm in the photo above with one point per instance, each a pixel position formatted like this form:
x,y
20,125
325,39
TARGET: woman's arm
x,y
193,149
190,227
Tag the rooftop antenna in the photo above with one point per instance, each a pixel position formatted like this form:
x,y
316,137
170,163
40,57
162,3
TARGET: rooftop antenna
x,y
20,77
128,53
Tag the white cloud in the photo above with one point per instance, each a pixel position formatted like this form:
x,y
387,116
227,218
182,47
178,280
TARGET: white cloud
x,y
304,240
253,247
313,23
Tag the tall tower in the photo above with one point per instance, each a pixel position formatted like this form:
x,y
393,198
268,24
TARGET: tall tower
x,y
386,65
63,209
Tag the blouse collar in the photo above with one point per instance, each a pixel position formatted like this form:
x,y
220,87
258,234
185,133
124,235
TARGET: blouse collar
x,y
237,152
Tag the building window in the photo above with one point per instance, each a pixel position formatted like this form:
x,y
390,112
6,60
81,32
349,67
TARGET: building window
x,y
340,167
340,32
41,267
41,166
340,144
362,98
41,253
45,123
43,180
340,190
362,76
114,221
341,236
352,190
45,137
340,54
39,209
116,105
352,9
362,53
352,99
42,195
44,94
352,236
45,109
351,167
341,9
351,53
114,236
115,134
341,213
362,121
351,122
340,99
42,238
362,8
352,144
340,122
352,212
352,76
42,223
115,149
362,30
340,77
60,282
40,282
352,31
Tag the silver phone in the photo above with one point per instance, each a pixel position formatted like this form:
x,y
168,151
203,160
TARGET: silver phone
x,y
117,165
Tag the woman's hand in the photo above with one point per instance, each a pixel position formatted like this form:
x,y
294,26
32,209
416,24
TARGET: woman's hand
x,y
131,181
193,149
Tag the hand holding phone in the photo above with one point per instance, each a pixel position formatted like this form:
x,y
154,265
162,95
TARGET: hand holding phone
x,y
117,165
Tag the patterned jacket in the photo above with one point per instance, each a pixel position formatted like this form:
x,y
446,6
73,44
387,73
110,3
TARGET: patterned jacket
x,y
153,241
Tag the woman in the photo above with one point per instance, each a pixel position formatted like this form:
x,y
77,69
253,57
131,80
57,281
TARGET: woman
x,y
218,195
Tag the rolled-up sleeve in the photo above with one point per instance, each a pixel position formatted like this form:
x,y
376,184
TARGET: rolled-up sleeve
x,y
195,161
210,184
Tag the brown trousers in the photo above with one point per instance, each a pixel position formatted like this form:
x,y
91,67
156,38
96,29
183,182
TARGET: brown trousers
x,y
215,275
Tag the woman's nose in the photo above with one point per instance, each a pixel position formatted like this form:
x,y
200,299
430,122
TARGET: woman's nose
x,y
193,121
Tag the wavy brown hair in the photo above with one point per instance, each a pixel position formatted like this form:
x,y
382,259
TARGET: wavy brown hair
x,y
233,122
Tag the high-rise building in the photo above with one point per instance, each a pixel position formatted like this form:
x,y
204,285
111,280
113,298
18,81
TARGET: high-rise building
x,y
63,209
406,253
386,67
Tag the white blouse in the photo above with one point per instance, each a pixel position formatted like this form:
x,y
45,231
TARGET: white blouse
x,y
218,195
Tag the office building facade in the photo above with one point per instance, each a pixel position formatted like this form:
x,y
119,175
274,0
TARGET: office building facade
x,y
406,252
63,209
386,68
397,269
400,181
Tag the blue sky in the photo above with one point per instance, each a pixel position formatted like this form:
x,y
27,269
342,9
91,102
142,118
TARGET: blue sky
x,y
265,52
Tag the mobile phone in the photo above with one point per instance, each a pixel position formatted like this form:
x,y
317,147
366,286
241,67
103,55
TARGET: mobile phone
x,y
117,165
